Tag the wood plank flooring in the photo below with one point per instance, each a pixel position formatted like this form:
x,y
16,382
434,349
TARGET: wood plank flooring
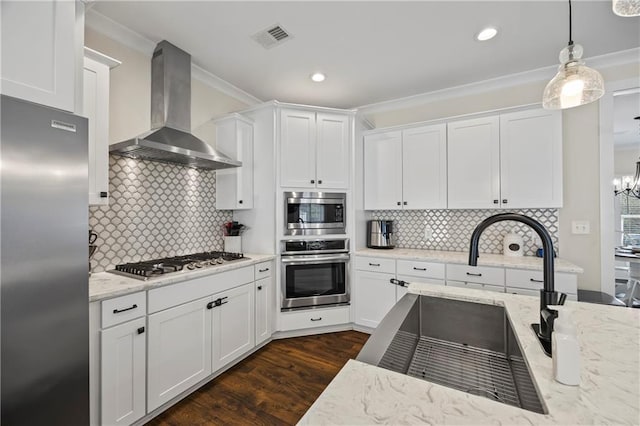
x,y
274,386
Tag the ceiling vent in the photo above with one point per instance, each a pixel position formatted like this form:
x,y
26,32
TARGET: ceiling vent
x,y
272,36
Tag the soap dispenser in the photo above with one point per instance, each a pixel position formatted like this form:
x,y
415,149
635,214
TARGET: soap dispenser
x,y
565,350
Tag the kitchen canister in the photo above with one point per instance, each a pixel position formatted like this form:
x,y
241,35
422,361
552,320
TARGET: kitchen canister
x,y
512,245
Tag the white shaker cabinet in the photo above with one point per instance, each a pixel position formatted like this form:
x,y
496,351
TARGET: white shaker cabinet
x,y
123,372
265,301
315,149
406,169
95,107
531,159
234,186
41,51
233,324
473,163
374,296
179,350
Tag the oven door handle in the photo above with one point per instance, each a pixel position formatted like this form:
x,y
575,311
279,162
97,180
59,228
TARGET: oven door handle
x,y
314,258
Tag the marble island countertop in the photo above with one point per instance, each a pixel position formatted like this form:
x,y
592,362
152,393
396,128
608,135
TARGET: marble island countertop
x,y
485,259
105,285
609,392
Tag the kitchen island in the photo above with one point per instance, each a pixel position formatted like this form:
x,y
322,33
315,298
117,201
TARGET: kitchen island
x,y
609,392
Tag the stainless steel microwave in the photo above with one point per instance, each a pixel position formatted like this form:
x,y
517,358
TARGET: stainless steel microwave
x,y
314,213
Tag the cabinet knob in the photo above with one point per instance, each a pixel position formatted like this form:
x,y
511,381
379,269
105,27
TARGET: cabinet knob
x,y
496,201
504,201
141,330
319,182
399,203
104,194
313,181
239,201
259,287
404,202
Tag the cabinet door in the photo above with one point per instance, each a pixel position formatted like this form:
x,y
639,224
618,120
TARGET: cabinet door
x,y
333,151
179,350
123,370
297,148
265,302
424,167
531,159
95,107
39,51
383,171
234,186
374,296
233,325
473,164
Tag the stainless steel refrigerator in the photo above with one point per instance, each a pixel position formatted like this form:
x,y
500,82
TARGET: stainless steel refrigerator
x,y
44,365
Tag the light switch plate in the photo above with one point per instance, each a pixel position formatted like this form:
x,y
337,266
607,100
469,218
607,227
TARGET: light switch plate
x,y
580,227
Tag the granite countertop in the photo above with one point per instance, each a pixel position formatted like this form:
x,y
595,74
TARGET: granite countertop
x,y
462,257
105,285
609,392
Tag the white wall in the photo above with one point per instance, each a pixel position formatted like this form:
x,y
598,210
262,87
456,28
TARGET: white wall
x,y
580,157
625,161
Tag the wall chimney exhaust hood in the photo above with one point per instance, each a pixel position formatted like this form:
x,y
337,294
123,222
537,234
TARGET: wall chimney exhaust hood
x,y
170,140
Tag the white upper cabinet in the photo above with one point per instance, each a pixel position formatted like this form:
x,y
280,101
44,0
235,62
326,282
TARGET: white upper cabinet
x,y
509,161
41,51
234,186
406,169
531,159
474,163
314,149
95,106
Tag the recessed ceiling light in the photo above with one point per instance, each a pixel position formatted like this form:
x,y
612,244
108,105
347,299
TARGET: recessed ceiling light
x,y
486,34
317,77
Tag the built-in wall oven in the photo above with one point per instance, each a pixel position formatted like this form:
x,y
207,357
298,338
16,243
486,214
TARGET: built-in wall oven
x,y
314,213
315,273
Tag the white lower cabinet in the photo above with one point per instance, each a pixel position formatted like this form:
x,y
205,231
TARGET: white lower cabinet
x,y
374,296
179,353
233,324
264,309
123,368
477,286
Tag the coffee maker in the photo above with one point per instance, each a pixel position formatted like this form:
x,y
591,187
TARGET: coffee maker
x,y
380,234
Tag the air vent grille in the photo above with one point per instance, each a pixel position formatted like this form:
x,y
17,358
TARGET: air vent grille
x,y
272,36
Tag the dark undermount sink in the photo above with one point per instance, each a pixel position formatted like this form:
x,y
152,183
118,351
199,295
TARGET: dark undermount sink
x,y
462,345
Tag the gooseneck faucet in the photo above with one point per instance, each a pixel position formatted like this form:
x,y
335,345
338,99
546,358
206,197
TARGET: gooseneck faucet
x,y
548,295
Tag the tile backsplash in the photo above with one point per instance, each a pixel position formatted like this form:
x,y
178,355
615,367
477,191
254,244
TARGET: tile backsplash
x,y
452,229
155,210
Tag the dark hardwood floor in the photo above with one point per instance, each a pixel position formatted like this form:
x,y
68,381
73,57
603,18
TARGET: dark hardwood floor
x,y
274,386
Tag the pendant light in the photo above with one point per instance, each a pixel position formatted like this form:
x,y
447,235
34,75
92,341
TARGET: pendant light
x,y
575,83
626,7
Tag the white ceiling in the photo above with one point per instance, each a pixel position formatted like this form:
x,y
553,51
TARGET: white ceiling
x,y
372,51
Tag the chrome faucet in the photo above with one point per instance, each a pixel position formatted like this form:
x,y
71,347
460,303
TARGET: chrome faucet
x,y
548,295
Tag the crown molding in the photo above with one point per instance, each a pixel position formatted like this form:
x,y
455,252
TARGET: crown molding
x,y
123,35
540,74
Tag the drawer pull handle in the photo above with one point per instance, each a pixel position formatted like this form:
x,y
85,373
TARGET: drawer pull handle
x,y
117,311
141,330
474,275
263,270
419,269
399,282
535,281
374,264
259,287
316,319
217,302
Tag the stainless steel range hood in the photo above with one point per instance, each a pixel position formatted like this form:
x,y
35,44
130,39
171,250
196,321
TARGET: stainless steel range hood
x,y
170,140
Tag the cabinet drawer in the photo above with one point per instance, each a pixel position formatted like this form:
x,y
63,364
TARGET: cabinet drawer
x,y
477,286
376,264
315,318
124,308
535,293
417,268
263,270
410,279
475,274
564,282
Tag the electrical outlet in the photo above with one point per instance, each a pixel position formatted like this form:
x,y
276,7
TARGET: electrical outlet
x,y
580,227
428,233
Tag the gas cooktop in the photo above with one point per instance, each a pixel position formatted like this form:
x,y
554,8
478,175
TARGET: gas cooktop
x,y
190,262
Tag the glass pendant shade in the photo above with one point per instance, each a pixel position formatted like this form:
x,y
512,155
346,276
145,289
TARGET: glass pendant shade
x,y
626,7
575,83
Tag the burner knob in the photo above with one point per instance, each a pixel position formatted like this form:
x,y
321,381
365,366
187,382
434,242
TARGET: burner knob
x,y
219,260
191,266
199,264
